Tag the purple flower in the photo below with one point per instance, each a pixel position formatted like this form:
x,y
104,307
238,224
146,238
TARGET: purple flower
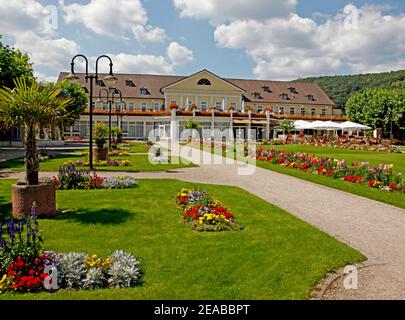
x,y
33,214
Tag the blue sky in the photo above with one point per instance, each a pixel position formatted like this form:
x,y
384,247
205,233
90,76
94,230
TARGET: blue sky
x,y
274,39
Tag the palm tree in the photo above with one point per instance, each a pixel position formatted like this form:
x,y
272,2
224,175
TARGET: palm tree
x,y
32,107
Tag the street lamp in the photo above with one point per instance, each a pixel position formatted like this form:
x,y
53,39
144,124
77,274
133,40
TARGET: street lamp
x,y
110,79
118,91
110,100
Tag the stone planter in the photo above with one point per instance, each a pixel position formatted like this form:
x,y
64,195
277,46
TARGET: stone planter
x,y
43,194
102,154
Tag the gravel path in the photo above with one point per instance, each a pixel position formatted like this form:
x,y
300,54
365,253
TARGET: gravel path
x,y
375,229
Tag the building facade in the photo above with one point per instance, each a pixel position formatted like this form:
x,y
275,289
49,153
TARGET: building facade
x,y
155,102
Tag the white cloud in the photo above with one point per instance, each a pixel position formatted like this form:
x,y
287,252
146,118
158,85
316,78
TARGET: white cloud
x,y
138,63
179,54
115,19
52,53
220,11
44,77
22,15
28,23
291,47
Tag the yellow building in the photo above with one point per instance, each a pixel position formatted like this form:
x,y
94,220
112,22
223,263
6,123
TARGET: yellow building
x,y
155,101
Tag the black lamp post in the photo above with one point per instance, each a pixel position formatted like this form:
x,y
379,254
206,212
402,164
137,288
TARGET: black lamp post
x,y
119,110
110,79
110,100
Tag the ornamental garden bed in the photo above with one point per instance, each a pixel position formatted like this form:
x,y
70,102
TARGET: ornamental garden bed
x,y
277,256
26,267
70,178
381,177
205,213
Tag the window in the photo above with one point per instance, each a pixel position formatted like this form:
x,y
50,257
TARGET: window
x,y
266,89
204,82
233,105
284,96
218,106
144,91
323,112
144,106
173,101
156,106
93,105
281,110
117,106
292,110
129,83
131,106
204,105
303,111
292,90
257,95
259,109
313,111
105,105
100,83
310,97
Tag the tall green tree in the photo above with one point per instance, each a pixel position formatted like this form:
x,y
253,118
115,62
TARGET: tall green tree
x,y
32,107
72,112
378,108
13,64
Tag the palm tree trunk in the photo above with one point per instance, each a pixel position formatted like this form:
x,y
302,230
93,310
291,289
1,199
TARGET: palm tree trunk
x,y
31,156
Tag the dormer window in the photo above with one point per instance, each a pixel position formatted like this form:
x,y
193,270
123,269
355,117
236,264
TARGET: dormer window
x,y
257,95
266,89
292,90
310,97
100,83
204,82
284,96
129,83
144,91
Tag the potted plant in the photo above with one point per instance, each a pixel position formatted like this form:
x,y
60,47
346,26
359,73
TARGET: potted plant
x,y
32,107
117,135
287,126
101,137
191,125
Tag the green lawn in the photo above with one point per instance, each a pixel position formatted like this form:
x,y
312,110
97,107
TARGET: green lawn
x,y
136,147
276,256
375,158
138,163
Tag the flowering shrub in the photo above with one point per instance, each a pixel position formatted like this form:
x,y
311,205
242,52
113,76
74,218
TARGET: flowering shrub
x,y
19,239
69,178
204,213
382,177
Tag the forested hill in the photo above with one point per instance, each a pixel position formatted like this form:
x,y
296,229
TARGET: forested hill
x,y
339,88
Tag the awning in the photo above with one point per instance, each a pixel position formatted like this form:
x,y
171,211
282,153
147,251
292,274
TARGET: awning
x,y
352,125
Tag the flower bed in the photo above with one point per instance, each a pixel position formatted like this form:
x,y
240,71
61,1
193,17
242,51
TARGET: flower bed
x,y
204,213
69,178
115,153
348,143
25,267
104,163
382,178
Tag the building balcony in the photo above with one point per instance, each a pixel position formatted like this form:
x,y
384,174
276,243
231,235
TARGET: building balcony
x,y
237,114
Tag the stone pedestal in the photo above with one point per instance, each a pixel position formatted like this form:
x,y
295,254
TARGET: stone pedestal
x,y
44,196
